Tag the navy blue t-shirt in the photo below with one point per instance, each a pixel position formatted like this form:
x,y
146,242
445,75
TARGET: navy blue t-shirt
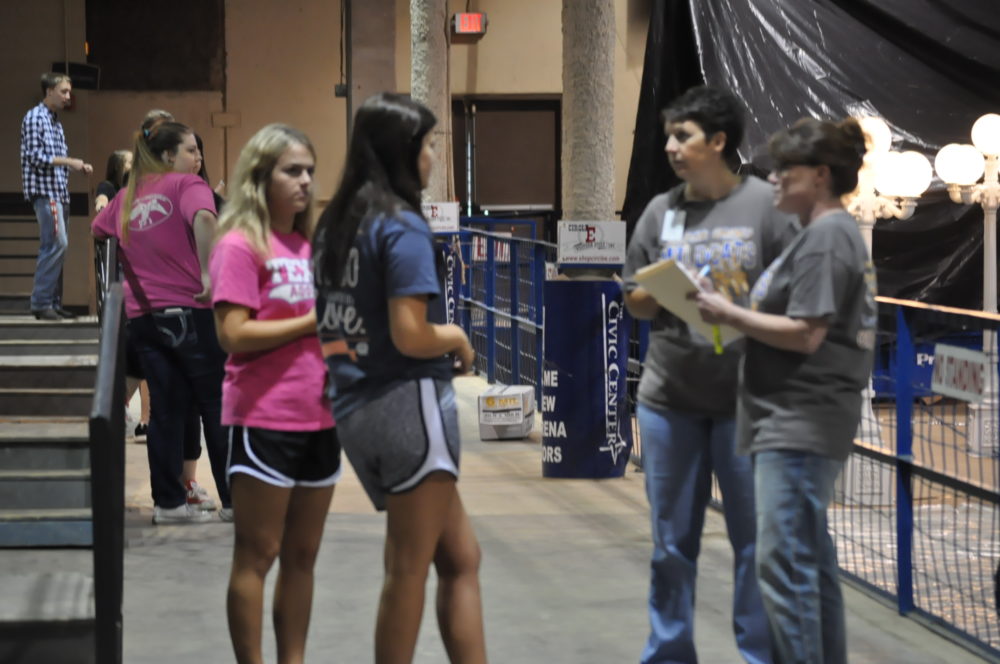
x,y
392,256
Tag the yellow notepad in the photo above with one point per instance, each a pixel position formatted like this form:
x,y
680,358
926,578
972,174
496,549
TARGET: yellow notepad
x,y
669,282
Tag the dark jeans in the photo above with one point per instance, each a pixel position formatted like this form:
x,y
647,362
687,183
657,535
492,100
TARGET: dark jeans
x,y
192,429
183,364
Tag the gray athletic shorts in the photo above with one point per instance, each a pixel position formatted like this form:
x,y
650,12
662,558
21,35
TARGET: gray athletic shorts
x,y
397,440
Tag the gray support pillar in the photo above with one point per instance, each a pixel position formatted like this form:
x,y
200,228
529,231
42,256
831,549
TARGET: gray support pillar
x,y
370,28
588,160
430,86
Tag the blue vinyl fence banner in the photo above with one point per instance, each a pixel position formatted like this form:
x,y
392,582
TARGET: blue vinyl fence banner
x,y
450,257
884,380
586,426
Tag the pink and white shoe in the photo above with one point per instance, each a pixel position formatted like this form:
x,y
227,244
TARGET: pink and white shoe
x,y
198,498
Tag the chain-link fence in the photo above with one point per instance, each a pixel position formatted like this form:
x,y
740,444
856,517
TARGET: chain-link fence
x,y
916,511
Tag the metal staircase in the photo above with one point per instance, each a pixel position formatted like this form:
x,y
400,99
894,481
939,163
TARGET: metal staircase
x,y
18,253
47,378
61,468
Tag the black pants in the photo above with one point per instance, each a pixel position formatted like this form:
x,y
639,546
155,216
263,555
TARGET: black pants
x,y
183,363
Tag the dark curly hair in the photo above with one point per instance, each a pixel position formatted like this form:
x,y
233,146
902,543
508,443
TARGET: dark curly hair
x,y
714,110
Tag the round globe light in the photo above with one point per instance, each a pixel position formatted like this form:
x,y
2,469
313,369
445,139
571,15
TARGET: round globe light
x,y
986,134
959,164
877,132
889,174
915,175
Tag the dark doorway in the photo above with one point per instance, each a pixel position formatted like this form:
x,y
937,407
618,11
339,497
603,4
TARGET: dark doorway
x,y
507,158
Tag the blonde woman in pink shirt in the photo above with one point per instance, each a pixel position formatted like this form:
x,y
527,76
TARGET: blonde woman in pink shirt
x,y
284,457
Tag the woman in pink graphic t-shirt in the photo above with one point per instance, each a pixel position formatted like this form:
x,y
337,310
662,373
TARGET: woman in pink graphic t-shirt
x,y
284,457
165,222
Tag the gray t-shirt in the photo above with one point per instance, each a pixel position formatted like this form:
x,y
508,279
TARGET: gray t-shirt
x,y
741,232
812,403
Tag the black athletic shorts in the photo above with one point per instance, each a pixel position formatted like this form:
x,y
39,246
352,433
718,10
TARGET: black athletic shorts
x,y
285,458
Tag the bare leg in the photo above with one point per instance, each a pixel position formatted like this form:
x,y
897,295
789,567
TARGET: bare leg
x,y
459,607
192,446
304,521
143,402
260,511
190,473
414,525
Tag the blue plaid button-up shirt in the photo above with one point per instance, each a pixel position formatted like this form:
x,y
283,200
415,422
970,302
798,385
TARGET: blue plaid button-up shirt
x,y
42,140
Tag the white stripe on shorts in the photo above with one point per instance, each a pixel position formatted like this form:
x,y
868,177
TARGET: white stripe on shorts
x,y
319,484
266,473
438,457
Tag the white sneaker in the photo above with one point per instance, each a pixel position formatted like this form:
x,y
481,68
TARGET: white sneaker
x,y
130,423
181,514
226,513
198,497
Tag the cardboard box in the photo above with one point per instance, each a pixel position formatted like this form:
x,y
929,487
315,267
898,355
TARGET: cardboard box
x,y
506,412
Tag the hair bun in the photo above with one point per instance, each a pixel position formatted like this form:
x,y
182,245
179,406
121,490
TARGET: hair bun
x,y
854,134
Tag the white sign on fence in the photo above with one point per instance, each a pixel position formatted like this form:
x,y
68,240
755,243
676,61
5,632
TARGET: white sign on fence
x,y
443,217
591,242
959,373
501,248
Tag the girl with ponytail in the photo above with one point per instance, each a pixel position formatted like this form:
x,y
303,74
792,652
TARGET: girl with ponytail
x,y
165,224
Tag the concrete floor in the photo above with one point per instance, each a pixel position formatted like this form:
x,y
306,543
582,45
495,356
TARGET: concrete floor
x,y
564,574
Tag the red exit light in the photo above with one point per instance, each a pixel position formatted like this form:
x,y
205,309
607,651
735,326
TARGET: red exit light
x,y
469,24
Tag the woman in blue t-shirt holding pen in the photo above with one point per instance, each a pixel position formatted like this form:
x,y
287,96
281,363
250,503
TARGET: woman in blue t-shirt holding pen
x,y
810,332
390,370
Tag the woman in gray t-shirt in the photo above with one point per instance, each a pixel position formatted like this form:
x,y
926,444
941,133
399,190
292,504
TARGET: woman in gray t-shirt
x,y
810,331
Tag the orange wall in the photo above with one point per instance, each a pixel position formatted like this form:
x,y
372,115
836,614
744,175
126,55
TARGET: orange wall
x,y
283,60
34,35
522,54
282,63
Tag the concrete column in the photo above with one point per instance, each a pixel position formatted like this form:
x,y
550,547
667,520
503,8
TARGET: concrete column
x,y
588,159
430,86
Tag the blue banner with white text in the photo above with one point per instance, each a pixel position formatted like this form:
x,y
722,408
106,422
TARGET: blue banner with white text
x,y
586,427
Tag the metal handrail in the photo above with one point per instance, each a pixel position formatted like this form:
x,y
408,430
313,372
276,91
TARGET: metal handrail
x,y
107,481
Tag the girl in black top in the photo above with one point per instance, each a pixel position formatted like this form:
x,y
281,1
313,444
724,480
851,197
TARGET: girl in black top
x,y
115,177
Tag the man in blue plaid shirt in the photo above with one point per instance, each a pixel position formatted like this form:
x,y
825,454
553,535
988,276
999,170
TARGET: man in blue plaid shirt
x,y
45,169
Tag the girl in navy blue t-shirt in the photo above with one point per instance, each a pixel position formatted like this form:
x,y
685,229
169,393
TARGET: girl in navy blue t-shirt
x,y
390,370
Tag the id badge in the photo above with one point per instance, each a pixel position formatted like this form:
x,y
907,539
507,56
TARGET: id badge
x,y
672,231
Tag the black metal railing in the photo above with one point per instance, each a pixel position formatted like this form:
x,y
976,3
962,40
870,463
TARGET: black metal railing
x,y
107,475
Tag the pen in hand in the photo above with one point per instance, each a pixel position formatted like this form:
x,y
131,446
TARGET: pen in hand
x,y
716,330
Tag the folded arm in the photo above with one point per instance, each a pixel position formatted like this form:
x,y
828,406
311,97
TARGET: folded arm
x,y
239,333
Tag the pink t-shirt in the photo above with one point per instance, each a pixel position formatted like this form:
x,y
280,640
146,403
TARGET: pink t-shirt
x,y
159,260
282,388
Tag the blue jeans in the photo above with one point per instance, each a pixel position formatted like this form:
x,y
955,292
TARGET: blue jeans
x,y
47,290
680,451
183,365
796,558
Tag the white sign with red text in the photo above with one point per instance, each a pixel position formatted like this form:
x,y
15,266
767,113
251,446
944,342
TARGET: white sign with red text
x,y
959,373
501,248
591,242
443,217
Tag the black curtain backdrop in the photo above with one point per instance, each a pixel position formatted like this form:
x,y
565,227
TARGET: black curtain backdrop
x,y
669,67
928,67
